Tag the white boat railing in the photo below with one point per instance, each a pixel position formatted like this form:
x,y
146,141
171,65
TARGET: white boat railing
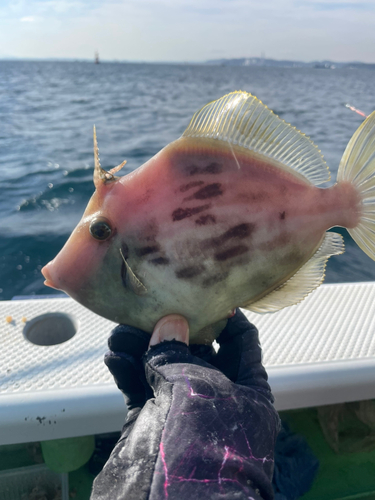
x,y
319,352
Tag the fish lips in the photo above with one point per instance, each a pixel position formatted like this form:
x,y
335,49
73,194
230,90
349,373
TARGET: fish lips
x,y
48,279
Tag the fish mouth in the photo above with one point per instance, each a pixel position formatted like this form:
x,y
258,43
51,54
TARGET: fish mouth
x,y
48,281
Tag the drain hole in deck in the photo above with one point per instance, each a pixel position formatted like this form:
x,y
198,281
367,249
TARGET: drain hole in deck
x,y
50,329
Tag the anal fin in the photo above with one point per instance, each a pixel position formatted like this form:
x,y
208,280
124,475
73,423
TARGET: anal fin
x,y
304,281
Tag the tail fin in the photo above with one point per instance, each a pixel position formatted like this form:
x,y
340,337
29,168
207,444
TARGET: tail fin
x,y
358,167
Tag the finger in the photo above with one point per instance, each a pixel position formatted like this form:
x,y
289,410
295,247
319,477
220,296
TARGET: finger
x,y
240,355
124,360
171,327
129,339
203,351
168,350
129,377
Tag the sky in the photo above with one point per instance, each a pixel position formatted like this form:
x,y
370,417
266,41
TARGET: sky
x,y
188,30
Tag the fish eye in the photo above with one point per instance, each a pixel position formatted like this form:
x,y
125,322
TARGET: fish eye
x,y
100,229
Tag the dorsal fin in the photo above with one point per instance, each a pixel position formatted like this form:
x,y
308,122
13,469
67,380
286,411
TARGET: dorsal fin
x,y
241,119
306,279
101,176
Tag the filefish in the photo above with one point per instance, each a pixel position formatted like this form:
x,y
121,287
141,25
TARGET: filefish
x,y
228,215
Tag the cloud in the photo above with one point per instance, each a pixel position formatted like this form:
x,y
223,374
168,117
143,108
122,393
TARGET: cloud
x,y
28,19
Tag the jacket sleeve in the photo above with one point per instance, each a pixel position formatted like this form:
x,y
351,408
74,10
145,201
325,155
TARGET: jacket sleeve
x,y
201,433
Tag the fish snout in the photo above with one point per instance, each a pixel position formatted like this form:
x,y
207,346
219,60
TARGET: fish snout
x,y
46,271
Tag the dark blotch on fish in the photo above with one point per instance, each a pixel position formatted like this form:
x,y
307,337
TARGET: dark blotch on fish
x,y
148,232
213,280
190,185
146,250
241,231
209,191
231,252
204,220
160,261
189,272
182,213
282,215
212,168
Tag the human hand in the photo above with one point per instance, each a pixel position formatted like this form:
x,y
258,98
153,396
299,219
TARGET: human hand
x,y
239,356
209,429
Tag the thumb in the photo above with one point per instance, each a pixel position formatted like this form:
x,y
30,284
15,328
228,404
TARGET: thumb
x,y
171,327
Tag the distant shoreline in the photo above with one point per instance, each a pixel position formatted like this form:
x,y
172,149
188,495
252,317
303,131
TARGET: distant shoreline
x,y
259,61
243,61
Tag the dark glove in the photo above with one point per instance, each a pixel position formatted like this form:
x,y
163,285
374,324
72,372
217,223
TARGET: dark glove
x,y
201,434
124,360
240,355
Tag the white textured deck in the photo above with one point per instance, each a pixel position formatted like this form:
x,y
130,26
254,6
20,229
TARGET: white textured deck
x,y
319,352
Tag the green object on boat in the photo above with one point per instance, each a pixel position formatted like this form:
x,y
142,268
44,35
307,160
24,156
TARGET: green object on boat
x,y
344,476
66,455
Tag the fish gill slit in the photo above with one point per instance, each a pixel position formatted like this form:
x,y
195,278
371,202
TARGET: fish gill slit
x,y
136,285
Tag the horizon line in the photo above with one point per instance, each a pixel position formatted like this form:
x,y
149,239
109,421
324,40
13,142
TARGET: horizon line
x,y
140,61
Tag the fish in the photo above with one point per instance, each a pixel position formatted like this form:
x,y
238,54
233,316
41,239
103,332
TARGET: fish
x,y
229,215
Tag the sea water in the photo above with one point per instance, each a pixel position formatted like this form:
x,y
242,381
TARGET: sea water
x,y
48,109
